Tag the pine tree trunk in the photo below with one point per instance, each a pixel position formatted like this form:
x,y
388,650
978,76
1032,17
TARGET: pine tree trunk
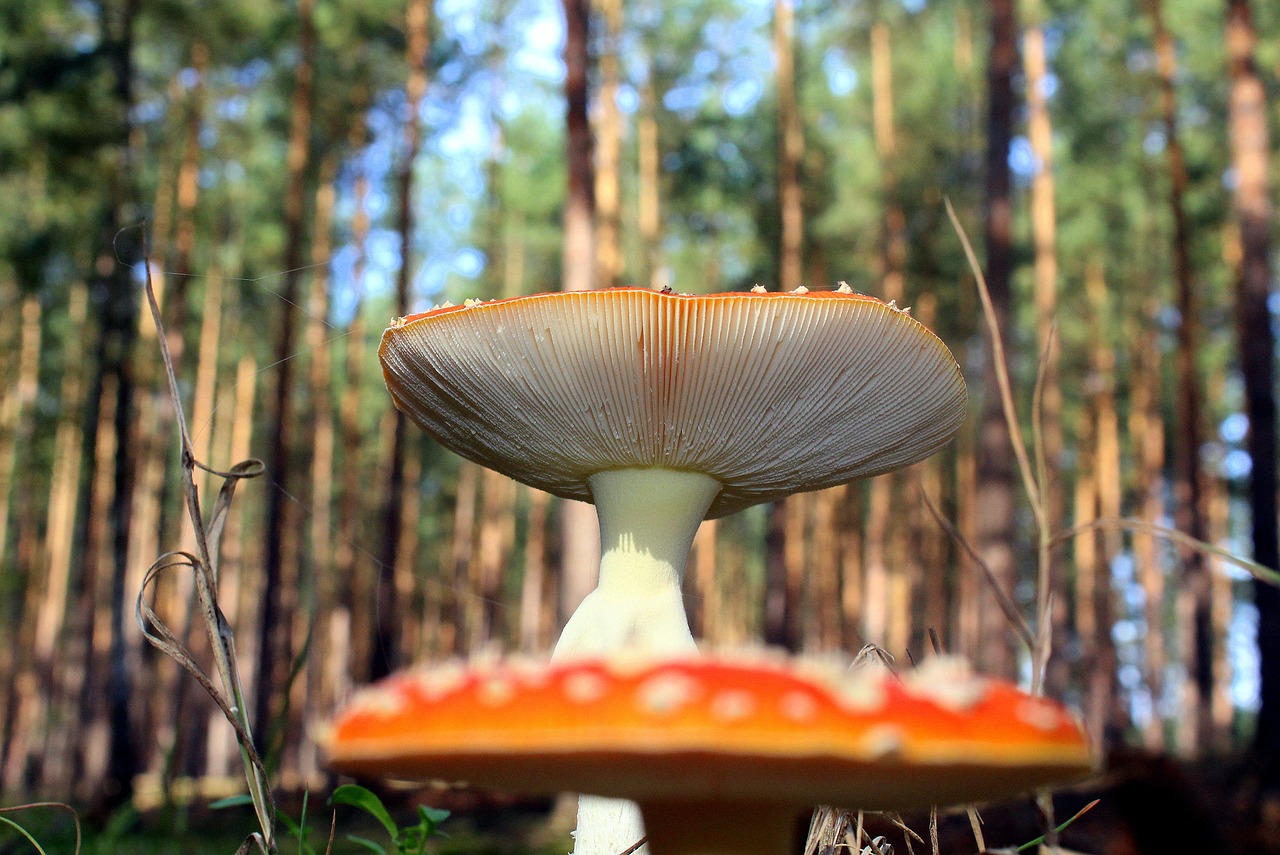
x,y
649,195
384,649
995,498
580,546
57,650
1250,150
1146,430
782,612
466,610
320,586
1194,617
533,587
608,150
1104,703
26,735
346,632
275,631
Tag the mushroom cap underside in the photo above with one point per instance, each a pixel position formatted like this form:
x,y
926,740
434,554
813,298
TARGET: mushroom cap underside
x,y
770,394
714,730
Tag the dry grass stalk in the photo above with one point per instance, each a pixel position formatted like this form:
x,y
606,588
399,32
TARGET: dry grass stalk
x,y
204,564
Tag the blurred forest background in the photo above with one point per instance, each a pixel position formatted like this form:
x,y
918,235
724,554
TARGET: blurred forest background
x,y
309,170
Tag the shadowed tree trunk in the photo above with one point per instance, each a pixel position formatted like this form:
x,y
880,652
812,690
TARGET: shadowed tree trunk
x,y
1195,624
281,537
782,597
580,547
119,324
384,653
995,497
1250,149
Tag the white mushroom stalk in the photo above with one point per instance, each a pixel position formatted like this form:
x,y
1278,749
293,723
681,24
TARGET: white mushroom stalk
x,y
648,519
663,409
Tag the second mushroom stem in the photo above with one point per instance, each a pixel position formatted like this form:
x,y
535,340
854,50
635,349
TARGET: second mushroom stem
x,y
648,519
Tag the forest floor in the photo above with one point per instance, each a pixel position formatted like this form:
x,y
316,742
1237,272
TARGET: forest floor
x,y
1147,806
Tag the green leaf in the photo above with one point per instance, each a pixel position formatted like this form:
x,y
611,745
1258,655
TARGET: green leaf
x,y
367,844
358,797
232,801
435,816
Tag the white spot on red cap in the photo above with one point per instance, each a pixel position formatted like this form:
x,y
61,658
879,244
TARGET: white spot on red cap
x,y
585,687
437,682
496,690
798,706
948,681
665,694
1038,714
382,702
733,705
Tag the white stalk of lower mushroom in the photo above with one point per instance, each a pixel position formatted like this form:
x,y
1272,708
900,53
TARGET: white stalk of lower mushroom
x,y
648,519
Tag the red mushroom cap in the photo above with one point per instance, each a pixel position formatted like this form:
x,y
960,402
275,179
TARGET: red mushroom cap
x,y
732,729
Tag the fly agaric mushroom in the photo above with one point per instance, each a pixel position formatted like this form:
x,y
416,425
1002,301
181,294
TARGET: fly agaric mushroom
x,y
722,753
665,409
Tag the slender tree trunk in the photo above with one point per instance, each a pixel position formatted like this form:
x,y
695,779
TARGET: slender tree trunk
x,y
1104,704
493,546
893,244
608,150
94,600
347,637
825,568
995,498
782,612
384,652
649,195
60,527
875,566
320,588
16,408
1044,235
26,744
580,546
119,313
1146,428
275,631
533,595
1250,149
1194,617
466,606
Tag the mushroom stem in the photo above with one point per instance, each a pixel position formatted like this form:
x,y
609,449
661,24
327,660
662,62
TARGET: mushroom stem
x,y
720,828
648,518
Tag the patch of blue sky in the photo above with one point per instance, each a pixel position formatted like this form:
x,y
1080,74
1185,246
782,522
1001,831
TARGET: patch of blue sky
x,y
1242,653
1234,428
742,95
540,42
842,77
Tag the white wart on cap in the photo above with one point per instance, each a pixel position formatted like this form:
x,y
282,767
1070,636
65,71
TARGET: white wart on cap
x,y
768,394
